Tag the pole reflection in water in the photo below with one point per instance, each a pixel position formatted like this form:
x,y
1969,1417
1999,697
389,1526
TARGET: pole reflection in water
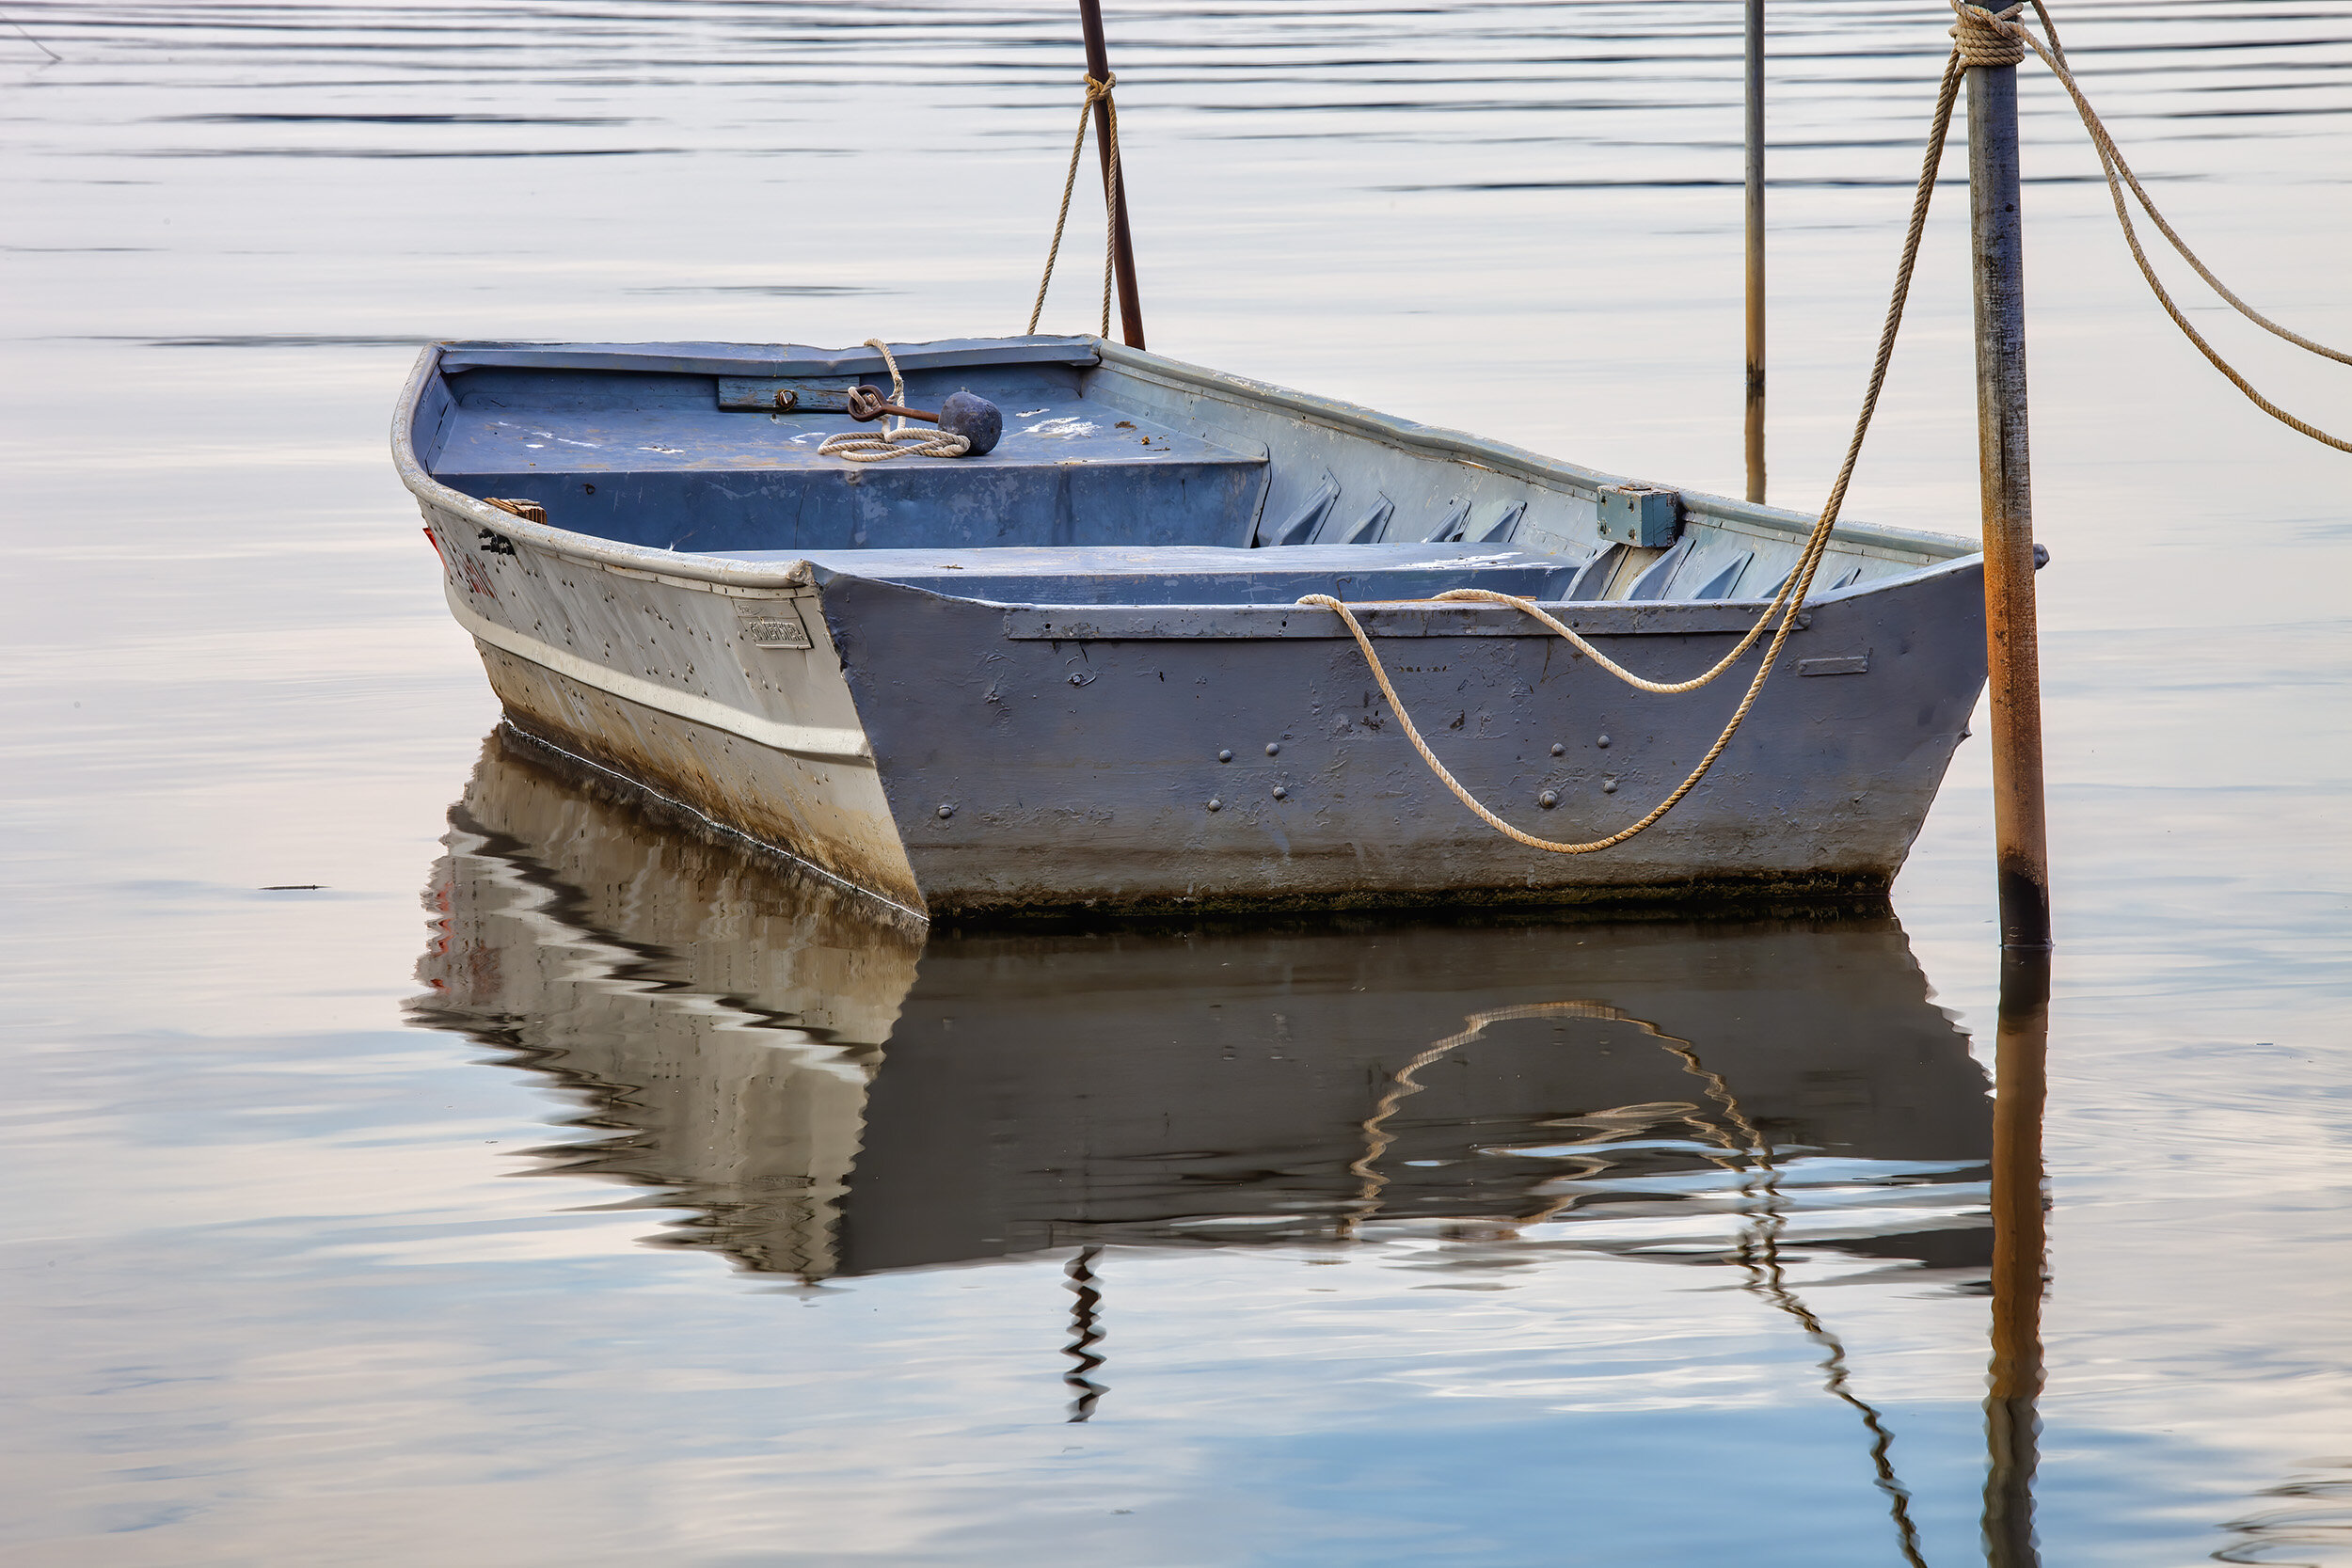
x,y
1084,1336
826,1095
2012,1423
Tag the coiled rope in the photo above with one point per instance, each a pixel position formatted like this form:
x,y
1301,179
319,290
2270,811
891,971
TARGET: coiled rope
x,y
1785,604
1978,38
1095,91
896,440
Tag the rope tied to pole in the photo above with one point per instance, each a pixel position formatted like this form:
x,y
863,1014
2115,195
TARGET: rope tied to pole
x,y
1978,38
2119,174
897,438
1096,92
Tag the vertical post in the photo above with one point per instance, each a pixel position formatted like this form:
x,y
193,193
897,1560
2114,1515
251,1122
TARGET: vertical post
x,y
2011,1421
1099,67
2021,1042
1756,250
2013,654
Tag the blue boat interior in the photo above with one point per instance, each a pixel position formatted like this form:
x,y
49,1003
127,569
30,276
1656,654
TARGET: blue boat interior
x,y
1107,486
653,460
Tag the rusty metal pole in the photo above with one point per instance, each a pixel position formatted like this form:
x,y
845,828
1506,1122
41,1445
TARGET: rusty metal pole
x,y
1756,250
1113,194
2013,656
2021,1040
2012,1416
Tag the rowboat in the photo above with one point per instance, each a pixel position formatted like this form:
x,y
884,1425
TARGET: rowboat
x,y
1073,673
828,1093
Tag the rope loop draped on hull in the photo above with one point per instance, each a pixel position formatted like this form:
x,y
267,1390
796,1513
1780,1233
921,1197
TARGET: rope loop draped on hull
x,y
1980,37
1785,605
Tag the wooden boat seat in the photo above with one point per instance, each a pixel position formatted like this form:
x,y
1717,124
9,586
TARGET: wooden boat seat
x,y
688,475
1196,574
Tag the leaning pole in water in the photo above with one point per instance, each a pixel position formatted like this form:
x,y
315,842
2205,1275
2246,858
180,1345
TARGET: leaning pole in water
x,y
2012,653
1114,189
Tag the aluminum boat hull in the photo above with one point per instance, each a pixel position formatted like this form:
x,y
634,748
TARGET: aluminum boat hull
x,y
1109,713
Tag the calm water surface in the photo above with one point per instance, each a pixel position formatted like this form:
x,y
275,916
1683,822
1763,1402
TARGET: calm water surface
x,y
415,1156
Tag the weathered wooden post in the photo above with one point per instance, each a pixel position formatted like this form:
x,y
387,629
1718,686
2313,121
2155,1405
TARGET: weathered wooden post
x,y
2014,662
1756,250
1114,191
2011,1419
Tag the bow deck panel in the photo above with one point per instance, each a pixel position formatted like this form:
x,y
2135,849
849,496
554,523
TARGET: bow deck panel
x,y
613,462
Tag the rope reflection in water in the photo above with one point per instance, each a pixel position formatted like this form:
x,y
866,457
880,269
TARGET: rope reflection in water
x,y
1749,1155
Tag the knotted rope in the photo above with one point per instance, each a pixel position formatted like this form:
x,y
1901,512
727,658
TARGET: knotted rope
x,y
1976,23
1978,38
1095,91
897,438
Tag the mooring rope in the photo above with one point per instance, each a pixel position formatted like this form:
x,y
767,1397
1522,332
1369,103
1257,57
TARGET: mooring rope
x,y
1976,24
1785,604
1095,91
1977,37
897,438
1980,37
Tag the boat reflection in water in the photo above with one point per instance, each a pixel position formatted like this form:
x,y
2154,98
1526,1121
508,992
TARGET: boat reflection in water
x,y
829,1094
826,1092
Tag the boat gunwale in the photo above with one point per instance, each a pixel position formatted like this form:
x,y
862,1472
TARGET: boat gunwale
x,y
685,571
715,574
1271,620
1444,442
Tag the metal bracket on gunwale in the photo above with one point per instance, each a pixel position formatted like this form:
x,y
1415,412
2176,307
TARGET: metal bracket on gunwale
x,y
1641,516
